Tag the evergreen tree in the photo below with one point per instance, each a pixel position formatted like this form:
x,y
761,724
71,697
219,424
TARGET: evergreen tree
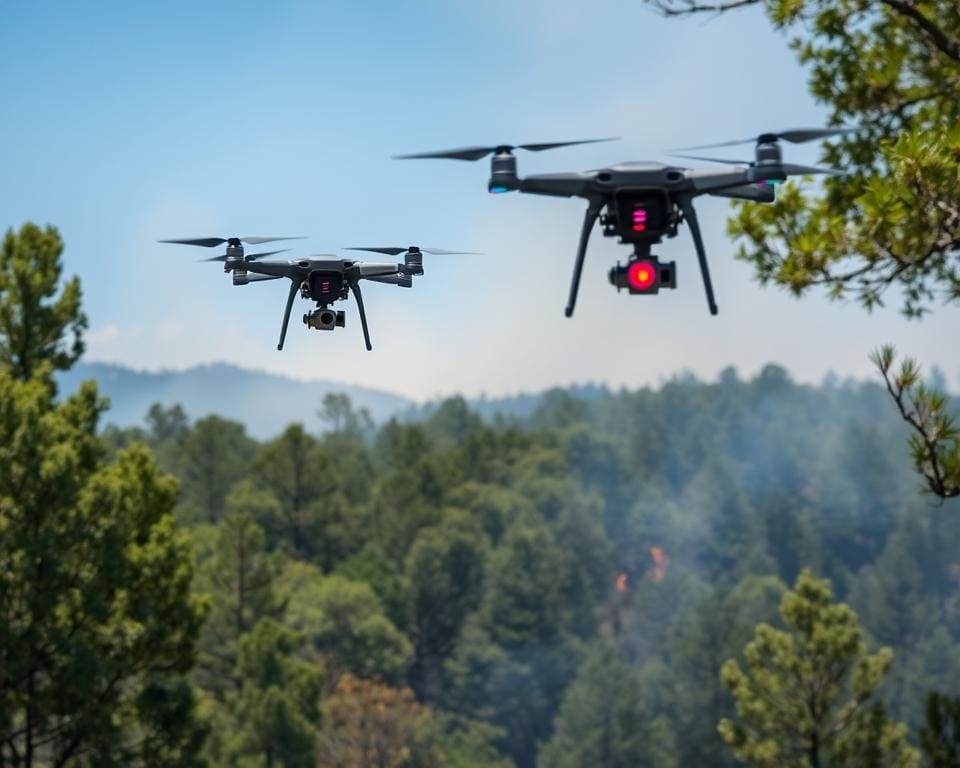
x,y
239,576
603,720
445,569
940,734
216,452
273,718
40,321
343,623
97,623
807,696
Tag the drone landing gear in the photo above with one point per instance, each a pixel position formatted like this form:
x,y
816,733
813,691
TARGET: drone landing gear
x,y
294,288
690,214
589,219
355,287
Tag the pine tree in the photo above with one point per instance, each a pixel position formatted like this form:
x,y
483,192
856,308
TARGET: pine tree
x,y
808,695
97,622
37,324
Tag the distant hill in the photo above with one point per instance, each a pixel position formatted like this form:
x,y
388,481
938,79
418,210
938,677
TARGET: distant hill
x,y
265,402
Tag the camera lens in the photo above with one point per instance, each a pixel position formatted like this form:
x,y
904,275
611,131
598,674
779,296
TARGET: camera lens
x,y
327,317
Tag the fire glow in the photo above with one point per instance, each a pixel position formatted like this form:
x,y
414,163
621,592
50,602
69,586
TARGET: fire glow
x,y
621,585
660,561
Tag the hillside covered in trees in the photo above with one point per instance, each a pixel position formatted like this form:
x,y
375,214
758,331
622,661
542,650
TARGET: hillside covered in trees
x,y
547,587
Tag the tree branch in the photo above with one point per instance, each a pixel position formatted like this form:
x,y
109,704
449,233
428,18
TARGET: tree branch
x,y
936,36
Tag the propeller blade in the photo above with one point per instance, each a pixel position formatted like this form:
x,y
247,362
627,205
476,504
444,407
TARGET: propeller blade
x,y
554,145
793,135
255,256
802,170
442,252
248,257
260,240
476,153
206,242
800,135
210,242
465,153
392,251
714,159
385,251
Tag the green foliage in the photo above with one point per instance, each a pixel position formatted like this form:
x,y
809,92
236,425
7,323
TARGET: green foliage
x,y
935,442
716,628
892,68
337,413
98,621
807,695
239,577
940,735
523,602
445,567
275,714
213,456
342,622
603,719
41,323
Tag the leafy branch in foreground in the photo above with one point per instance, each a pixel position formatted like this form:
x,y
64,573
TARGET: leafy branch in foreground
x,y
893,219
936,445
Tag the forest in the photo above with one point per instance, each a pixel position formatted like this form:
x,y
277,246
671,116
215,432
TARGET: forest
x,y
578,587
746,570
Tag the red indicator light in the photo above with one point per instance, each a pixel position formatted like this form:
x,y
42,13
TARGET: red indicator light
x,y
640,215
325,286
641,275
639,227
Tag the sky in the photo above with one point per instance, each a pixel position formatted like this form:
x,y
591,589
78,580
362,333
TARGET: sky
x,y
125,123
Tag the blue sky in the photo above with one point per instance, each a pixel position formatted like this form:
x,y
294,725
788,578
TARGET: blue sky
x,y
126,122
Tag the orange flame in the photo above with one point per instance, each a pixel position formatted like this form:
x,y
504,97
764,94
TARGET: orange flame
x,y
660,561
621,582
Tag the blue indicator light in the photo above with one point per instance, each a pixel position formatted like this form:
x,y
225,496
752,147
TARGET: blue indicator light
x,y
498,190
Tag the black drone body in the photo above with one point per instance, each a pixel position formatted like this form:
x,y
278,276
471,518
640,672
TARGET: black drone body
x,y
323,278
643,202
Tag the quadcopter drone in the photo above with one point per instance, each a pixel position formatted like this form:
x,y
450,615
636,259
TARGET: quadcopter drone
x,y
646,201
322,278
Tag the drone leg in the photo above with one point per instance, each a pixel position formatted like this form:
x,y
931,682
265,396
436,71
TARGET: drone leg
x,y
686,205
589,219
355,286
294,287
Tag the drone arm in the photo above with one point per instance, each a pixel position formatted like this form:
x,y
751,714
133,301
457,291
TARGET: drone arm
x,y
589,219
555,184
764,194
370,269
294,287
242,278
690,214
273,268
355,286
404,281
710,180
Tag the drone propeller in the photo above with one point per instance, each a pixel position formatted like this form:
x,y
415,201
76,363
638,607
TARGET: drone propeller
x,y
210,242
249,256
793,135
713,159
789,168
414,249
476,153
